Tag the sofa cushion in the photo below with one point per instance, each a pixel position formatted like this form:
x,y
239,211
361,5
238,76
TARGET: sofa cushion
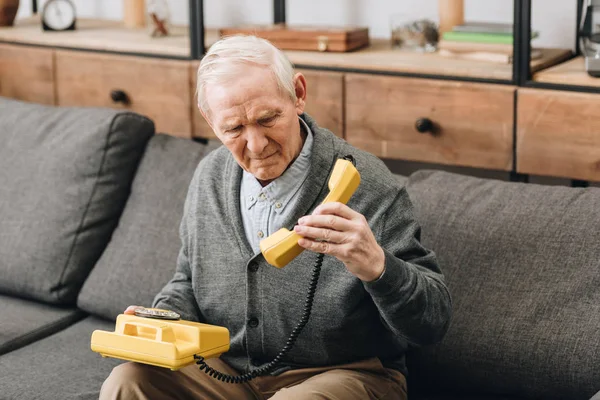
x,y
142,254
66,174
523,268
25,321
61,366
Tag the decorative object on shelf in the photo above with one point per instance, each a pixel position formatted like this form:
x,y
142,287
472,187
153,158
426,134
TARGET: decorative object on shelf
x,y
420,35
159,16
309,38
482,41
58,15
8,12
450,13
589,42
134,13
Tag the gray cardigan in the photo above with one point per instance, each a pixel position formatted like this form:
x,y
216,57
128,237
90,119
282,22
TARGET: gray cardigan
x,y
219,280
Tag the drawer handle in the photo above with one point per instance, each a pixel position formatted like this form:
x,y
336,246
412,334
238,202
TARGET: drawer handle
x,y
119,96
424,125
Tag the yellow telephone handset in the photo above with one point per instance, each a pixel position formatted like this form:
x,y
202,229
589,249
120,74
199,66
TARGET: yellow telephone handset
x,y
282,246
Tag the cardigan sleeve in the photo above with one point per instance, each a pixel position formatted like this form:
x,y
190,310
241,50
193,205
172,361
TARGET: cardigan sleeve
x,y
411,296
178,294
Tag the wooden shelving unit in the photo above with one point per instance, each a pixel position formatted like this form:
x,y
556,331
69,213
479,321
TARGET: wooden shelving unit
x,y
485,114
112,36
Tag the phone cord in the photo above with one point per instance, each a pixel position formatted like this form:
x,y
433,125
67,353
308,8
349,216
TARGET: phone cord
x,y
265,369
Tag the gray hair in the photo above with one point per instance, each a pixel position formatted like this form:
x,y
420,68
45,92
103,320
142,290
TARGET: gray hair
x,y
228,58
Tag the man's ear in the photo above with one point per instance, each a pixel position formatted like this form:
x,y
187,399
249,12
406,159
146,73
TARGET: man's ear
x,y
300,88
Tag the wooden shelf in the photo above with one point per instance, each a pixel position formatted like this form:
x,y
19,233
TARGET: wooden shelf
x,y
571,72
380,56
109,35
104,35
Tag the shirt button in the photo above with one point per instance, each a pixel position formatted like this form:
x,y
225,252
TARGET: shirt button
x,y
278,205
260,234
262,196
251,198
253,322
253,266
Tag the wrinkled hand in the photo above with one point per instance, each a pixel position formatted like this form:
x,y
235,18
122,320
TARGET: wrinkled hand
x,y
337,230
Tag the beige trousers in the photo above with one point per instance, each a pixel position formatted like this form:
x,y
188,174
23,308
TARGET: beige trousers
x,y
360,380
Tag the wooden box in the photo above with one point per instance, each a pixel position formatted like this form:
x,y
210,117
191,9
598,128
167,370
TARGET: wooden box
x,y
306,37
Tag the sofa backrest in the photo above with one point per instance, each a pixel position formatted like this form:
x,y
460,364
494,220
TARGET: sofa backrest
x,y
65,174
142,254
522,262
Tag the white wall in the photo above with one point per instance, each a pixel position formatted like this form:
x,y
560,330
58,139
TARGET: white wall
x,y
554,19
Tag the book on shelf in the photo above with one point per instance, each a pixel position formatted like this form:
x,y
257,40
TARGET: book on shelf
x,y
485,27
482,37
490,56
472,46
482,41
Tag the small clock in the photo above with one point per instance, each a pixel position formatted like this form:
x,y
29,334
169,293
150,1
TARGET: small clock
x,y
58,15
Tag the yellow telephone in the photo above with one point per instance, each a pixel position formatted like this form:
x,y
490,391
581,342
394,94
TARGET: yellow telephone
x,y
161,338
152,339
282,246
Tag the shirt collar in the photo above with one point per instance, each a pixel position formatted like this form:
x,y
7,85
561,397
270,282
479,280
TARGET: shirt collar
x,y
279,192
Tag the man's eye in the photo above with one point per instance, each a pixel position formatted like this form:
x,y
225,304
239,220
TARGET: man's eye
x,y
268,121
234,130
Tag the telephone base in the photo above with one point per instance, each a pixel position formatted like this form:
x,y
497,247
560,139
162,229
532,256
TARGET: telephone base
x,y
173,365
162,343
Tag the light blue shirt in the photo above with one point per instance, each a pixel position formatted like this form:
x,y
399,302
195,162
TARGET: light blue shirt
x,y
265,208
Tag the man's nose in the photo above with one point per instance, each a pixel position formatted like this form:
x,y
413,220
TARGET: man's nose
x,y
256,140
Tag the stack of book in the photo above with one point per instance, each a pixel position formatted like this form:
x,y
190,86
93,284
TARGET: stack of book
x,y
484,41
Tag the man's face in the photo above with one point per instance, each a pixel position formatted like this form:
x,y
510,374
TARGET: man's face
x,y
258,124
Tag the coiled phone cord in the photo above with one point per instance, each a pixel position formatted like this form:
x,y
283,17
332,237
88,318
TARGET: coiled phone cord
x,y
265,369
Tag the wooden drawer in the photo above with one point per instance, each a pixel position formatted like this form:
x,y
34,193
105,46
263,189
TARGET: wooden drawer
x,y
27,73
158,89
558,134
325,101
473,123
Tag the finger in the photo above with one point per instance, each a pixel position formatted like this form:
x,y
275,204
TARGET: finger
x,y
336,208
321,234
319,247
326,221
131,310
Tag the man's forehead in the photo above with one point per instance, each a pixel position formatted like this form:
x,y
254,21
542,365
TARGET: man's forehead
x,y
245,99
236,115
232,89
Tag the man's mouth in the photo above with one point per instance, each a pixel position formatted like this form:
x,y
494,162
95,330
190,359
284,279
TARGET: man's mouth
x,y
262,158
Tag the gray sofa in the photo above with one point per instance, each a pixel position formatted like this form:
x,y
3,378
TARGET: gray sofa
x,y
90,202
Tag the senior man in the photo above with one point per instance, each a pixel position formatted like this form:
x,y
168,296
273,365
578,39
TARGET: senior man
x,y
379,291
